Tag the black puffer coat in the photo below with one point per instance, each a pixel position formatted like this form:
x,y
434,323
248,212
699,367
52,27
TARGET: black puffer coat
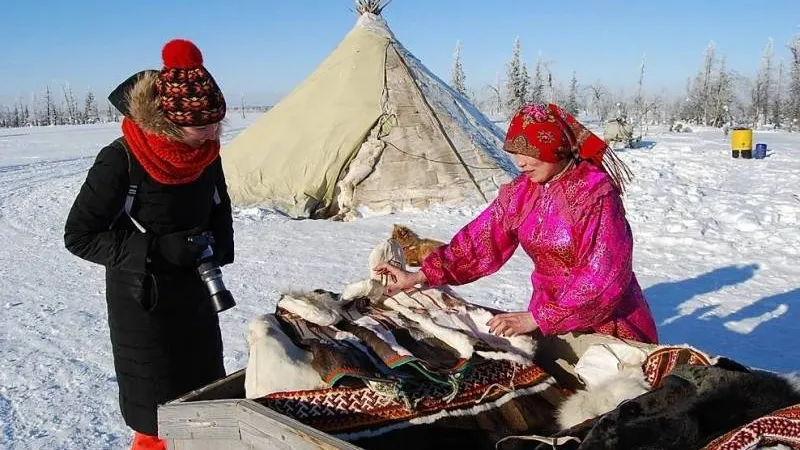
x,y
165,334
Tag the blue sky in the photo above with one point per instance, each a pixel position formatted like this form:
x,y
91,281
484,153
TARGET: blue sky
x,y
262,48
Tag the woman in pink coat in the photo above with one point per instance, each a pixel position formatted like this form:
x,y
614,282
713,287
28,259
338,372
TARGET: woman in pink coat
x,y
566,212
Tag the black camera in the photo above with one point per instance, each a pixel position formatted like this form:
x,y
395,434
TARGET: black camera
x,y
211,274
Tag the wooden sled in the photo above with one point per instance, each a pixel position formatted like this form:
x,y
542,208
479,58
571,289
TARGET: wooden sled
x,y
218,416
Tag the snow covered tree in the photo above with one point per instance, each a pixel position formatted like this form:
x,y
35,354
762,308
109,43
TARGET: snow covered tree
x,y
25,114
709,61
72,115
741,106
639,101
112,115
600,101
5,117
524,84
538,84
571,105
793,103
51,114
457,77
17,117
493,99
777,97
514,80
721,95
698,105
549,88
763,86
645,106
90,112
710,94
653,107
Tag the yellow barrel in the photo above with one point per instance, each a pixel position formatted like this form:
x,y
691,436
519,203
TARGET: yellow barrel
x,y
741,139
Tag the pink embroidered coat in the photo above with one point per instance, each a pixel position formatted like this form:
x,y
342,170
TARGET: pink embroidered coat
x,y
575,230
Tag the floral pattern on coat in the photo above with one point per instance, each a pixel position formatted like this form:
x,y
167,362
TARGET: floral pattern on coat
x,y
575,231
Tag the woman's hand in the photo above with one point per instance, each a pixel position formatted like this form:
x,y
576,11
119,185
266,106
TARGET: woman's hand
x,y
512,324
399,279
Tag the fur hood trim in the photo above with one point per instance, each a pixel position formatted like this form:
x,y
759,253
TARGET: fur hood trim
x,y
144,109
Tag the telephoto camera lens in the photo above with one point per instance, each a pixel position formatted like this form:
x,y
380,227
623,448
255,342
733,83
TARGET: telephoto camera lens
x,y
211,274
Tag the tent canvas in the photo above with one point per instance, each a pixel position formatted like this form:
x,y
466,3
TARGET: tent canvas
x,y
370,128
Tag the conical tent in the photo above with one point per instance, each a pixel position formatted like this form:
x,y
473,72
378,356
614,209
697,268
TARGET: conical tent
x,y
371,128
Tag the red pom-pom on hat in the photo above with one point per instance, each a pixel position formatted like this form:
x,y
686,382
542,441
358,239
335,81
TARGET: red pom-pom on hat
x,y
181,54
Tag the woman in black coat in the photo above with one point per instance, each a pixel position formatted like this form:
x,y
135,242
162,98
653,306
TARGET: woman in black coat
x,y
165,332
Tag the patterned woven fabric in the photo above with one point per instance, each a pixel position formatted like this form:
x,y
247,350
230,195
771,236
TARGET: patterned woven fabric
x,y
343,409
660,363
780,427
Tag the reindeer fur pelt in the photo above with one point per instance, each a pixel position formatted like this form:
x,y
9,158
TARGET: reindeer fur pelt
x,y
692,406
275,364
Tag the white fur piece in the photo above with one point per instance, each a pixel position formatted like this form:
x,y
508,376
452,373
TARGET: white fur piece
x,y
428,299
602,398
386,336
474,322
371,289
275,364
460,326
318,308
793,378
459,341
601,362
387,251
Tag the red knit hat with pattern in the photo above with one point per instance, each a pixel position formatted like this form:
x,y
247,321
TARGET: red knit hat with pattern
x,y
187,93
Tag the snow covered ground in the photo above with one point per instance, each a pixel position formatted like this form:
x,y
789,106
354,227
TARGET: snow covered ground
x,y
717,250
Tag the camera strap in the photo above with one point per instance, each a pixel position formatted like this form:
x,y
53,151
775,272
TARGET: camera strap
x,y
136,175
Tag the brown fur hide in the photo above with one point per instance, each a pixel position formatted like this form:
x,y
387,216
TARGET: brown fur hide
x,y
415,248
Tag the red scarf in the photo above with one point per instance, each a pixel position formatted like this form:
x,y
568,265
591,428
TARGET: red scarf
x,y
166,160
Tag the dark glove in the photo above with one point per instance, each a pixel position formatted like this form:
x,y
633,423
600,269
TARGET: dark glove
x,y
223,254
177,249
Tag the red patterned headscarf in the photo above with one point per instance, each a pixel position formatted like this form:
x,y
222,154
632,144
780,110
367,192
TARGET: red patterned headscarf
x,y
548,133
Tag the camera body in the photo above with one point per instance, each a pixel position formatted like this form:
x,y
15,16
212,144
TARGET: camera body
x,y
211,274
